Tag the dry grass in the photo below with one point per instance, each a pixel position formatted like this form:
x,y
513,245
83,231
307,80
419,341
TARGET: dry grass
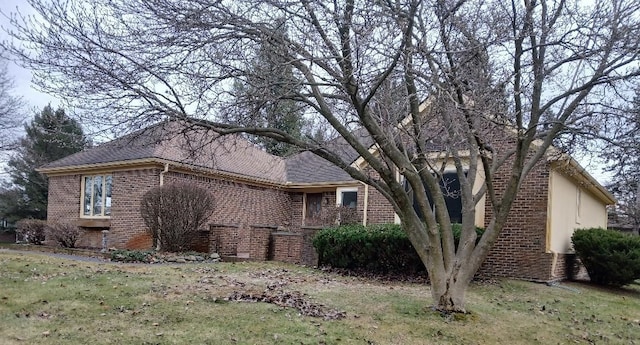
x,y
44,300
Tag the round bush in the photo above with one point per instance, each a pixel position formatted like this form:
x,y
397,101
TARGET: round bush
x,y
610,257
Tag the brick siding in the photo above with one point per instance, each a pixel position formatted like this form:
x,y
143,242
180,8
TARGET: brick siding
x,y
236,203
127,227
260,237
520,251
379,210
247,216
223,239
308,253
64,206
286,247
241,204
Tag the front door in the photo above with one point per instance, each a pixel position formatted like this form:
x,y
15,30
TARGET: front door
x,y
313,209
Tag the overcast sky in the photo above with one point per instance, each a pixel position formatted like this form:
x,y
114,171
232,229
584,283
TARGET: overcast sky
x,y
35,100
22,77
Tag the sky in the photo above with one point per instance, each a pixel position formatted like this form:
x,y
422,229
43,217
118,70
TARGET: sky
x,y
33,99
22,77
36,100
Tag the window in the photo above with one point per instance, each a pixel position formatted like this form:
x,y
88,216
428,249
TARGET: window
x,y
96,199
347,197
450,186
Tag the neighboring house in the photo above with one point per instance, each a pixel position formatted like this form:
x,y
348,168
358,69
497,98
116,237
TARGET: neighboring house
x,y
269,207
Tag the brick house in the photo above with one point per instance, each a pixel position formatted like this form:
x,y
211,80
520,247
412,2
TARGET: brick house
x,y
269,208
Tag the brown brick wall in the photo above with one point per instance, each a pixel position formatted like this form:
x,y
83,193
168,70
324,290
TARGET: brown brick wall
x,y
237,204
260,237
379,210
64,198
309,255
223,239
242,204
64,205
286,247
127,227
568,266
201,242
520,251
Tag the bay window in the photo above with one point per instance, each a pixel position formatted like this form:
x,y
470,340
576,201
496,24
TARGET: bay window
x,y
96,195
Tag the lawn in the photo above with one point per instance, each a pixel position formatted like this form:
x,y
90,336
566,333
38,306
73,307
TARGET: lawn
x,y
45,300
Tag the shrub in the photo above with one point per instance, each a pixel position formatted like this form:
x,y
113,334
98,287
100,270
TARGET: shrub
x,y
31,230
377,248
124,255
610,257
63,233
174,213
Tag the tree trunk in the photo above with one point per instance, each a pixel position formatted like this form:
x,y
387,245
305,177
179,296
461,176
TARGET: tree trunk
x,y
449,296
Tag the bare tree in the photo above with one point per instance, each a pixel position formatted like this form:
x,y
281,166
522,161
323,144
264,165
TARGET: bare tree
x,y
622,153
407,85
10,105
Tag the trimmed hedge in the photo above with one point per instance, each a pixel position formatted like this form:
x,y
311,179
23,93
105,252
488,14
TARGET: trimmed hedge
x,y
610,257
377,248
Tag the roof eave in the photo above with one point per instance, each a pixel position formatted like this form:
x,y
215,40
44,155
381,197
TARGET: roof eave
x,y
81,168
330,184
581,175
147,162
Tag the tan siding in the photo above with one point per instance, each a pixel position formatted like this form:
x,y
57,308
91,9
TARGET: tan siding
x,y
564,215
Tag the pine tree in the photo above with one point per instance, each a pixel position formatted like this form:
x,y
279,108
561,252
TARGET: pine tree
x,y
269,93
51,135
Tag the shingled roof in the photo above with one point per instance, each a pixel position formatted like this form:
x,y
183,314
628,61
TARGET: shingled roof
x,y
231,154
306,167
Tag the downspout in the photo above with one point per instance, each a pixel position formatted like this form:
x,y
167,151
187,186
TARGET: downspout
x,y
366,204
166,170
554,264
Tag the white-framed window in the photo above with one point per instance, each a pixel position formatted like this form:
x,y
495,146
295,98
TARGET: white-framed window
x,y
347,196
96,196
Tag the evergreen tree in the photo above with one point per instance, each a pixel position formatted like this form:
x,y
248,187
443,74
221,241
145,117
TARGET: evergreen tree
x,y
269,94
51,135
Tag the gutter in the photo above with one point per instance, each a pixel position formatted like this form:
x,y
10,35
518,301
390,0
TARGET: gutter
x,y
580,174
309,185
146,162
